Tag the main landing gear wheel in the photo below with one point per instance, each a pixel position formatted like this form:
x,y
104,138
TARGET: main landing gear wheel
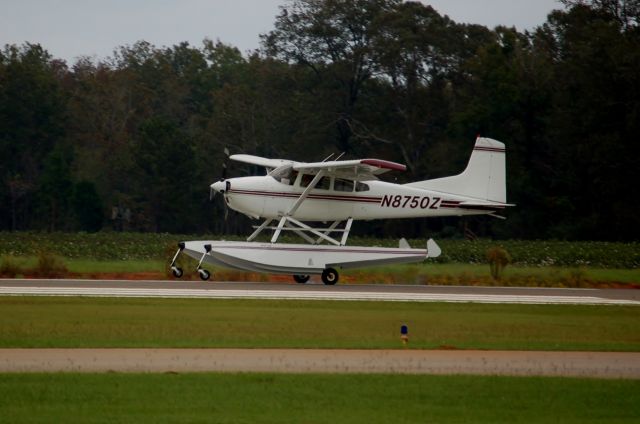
x,y
176,271
330,276
204,274
301,279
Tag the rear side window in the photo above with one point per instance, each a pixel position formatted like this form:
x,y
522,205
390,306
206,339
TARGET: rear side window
x,y
324,183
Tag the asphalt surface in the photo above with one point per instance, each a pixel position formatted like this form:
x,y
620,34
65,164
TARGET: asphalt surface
x,y
238,290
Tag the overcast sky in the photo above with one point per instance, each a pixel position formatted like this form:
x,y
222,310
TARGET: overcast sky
x,y
72,28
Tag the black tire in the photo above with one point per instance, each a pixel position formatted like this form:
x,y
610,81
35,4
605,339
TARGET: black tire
x,y
176,271
204,274
301,279
330,276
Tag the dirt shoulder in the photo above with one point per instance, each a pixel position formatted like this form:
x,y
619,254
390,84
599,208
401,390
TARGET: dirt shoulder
x,y
522,363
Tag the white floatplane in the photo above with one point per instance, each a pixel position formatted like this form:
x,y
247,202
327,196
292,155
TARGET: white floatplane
x,y
293,194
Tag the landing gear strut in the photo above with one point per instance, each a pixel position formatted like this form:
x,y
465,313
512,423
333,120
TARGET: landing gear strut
x,y
204,274
330,276
175,270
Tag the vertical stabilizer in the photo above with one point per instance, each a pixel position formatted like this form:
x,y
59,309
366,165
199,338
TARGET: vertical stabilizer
x,y
484,177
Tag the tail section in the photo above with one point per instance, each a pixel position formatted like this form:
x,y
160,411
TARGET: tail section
x,y
483,179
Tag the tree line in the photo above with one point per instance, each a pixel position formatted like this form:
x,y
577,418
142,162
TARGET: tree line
x,y
131,142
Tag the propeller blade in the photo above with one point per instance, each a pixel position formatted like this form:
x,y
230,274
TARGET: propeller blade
x,y
224,163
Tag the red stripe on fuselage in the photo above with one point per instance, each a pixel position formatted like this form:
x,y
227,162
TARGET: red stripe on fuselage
x,y
364,199
489,149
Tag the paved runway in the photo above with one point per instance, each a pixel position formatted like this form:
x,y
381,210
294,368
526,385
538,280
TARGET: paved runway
x,y
237,290
575,364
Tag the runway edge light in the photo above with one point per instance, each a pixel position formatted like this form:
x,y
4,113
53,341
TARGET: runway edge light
x,y
404,334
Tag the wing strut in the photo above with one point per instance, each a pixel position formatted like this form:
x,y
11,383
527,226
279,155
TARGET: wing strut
x,y
296,205
305,193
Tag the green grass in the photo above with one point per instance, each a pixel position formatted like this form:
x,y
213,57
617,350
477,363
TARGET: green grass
x,y
88,266
282,398
108,322
514,275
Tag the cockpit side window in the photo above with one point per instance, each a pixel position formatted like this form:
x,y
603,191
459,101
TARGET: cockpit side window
x,y
362,186
293,177
306,180
343,185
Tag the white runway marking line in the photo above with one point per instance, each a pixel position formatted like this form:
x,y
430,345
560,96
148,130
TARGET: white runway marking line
x,y
311,295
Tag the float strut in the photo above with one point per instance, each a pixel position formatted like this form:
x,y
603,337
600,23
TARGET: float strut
x,y
347,228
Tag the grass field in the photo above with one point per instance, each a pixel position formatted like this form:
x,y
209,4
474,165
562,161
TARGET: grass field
x,y
109,322
277,398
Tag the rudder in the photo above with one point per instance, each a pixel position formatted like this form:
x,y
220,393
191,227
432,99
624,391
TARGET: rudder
x,y
483,178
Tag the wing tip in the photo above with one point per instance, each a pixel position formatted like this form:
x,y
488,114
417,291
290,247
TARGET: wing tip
x,y
385,164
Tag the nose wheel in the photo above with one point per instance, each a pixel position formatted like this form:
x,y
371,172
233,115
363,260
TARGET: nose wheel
x,y
204,274
330,276
176,271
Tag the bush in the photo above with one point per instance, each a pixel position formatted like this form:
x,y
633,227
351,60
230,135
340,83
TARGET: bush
x,y
498,259
9,267
50,266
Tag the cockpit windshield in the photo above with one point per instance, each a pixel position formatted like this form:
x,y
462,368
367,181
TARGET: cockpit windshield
x,y
283,174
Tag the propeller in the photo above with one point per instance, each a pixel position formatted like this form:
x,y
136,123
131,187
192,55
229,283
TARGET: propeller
x,y
221,185
214,188
224,164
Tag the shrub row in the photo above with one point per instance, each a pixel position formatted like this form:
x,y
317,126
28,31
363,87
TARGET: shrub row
x,y
141,246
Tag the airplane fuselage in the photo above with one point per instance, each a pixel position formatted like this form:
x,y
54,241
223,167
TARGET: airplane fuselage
x,y
338,199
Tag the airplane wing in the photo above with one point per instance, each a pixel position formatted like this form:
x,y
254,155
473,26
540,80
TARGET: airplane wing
x,y
358,169
260,161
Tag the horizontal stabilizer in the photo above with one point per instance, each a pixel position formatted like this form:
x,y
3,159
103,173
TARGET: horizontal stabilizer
x,y
489,206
